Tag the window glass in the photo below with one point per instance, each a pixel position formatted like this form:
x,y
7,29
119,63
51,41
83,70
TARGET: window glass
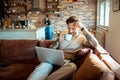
x,y
107,6
102,13
104,9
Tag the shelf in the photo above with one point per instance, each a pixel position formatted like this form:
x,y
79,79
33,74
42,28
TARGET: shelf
x,y
52,6
16,13
52,2
15,7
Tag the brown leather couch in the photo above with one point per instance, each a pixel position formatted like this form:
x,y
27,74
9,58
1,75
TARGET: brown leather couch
x,y
18,59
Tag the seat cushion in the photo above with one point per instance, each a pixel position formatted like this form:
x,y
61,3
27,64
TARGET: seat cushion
x,y
16,71
93,69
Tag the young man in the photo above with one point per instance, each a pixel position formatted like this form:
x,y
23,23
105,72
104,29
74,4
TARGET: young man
x,y
74,40
70,43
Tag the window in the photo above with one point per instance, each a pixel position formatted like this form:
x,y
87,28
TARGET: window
x,y
103,12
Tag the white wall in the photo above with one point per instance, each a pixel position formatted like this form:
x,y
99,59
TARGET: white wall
x,y
112,44
23,34
17,34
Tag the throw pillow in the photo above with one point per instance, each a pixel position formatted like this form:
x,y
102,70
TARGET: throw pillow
x,y
81,53
93,69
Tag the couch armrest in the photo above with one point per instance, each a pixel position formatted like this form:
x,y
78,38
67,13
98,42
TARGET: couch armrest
x,y
112,64
100,50
108,60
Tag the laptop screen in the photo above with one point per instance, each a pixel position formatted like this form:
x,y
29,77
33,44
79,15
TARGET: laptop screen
x,y
52,56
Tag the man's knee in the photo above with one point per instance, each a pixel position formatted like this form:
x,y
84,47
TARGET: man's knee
x,y
71,66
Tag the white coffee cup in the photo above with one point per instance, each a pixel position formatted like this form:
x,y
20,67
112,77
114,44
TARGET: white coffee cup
x,y
68,37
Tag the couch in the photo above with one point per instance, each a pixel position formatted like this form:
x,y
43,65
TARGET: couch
x,y
18,59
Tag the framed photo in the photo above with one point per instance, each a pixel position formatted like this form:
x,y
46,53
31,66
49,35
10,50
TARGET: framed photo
x,y
116,5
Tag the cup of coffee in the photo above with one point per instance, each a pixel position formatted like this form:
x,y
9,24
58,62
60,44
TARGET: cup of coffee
x,y
68,37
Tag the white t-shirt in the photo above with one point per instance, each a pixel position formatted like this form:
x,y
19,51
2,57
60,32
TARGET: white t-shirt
x,y
75,44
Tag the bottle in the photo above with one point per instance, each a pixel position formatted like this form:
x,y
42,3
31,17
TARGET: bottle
x,y
48,31
46,20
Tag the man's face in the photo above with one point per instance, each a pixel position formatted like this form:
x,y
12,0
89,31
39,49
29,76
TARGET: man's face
x,y
72,28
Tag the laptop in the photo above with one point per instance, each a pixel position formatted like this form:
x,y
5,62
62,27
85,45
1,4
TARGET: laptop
x,y
49,55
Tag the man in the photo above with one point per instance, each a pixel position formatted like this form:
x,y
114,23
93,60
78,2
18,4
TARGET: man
x,y
70,47
70,43
74,40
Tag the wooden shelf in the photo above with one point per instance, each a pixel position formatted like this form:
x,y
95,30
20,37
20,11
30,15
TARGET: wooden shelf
x,y
16,13
15,7
51,6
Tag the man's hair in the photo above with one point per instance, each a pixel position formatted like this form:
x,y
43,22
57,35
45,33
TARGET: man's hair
x,y
72,19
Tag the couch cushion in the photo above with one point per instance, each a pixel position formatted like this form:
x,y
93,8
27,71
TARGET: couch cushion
x,y
0,44
16,71
18,50
46,43
81,53
93,69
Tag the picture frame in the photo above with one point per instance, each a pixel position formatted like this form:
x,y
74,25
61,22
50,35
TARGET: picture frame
x,y
116,5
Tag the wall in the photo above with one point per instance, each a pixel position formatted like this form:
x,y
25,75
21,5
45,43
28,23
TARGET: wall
x,y
18,34
23,34
113,34
84,9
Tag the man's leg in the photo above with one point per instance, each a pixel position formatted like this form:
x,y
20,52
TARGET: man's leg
x,y
63,73
41,72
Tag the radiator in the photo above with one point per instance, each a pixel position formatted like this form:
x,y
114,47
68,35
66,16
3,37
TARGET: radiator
x,y
100,36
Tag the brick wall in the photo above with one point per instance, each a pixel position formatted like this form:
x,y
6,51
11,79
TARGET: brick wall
x,y
85,10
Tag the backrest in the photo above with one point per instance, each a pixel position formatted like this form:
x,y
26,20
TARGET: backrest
x,y
18,51
46,43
